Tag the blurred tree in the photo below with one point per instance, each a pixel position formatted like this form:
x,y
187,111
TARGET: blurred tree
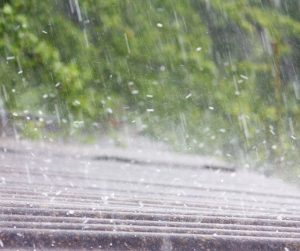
x,y
200,74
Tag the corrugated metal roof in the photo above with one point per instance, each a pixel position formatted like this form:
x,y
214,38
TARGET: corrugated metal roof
x,y
114,199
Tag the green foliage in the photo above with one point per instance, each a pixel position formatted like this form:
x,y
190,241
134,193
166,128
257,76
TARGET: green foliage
x,y
200,74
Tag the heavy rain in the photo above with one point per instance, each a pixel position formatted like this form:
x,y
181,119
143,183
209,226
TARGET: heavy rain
x,y
150,124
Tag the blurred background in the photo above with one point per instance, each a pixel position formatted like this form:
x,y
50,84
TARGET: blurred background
x,y
211,77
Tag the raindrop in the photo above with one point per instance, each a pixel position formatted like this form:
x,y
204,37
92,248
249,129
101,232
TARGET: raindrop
x,y
58,192
244,77
86,38
109,110
3,180
188,96
70,212
76,103
127,43
85,220
78,124
10,58
134,92
222,130
105,199
162,68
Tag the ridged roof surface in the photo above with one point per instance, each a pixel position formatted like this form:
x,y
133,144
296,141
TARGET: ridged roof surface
x,y
74,197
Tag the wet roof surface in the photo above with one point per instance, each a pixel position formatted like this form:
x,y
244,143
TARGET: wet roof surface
x,y
74,197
